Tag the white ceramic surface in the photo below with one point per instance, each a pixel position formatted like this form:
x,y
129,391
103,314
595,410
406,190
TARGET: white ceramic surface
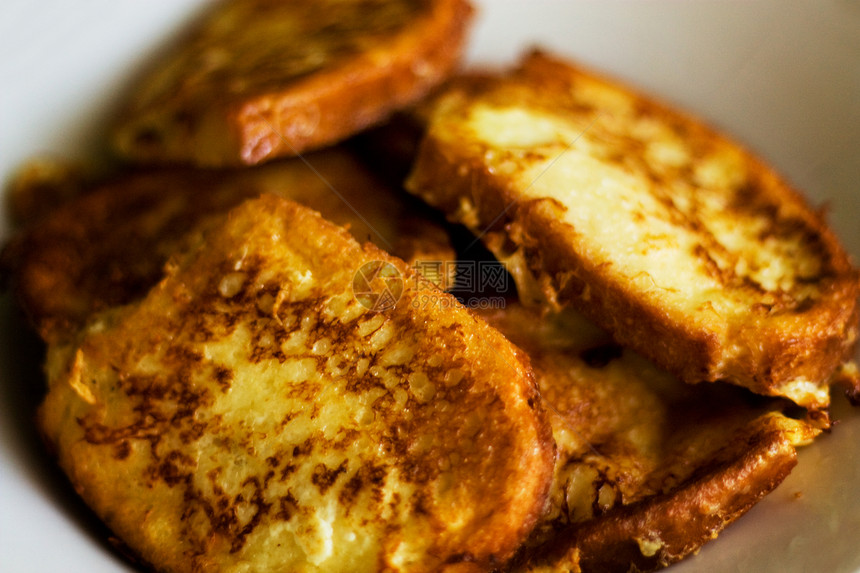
x,y
782,76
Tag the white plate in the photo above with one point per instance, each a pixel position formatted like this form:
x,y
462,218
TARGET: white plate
x,y
782,76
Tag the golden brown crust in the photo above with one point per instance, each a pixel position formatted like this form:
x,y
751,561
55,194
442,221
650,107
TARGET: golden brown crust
x,y
261,416
41,185
259,79
787,339
648,468
664,529
110,246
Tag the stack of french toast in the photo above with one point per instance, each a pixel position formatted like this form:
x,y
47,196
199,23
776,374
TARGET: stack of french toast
x,y
250,368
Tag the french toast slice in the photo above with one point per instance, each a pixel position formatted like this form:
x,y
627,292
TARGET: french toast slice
x,y
110,245
649,468
252,412
678,241
258,79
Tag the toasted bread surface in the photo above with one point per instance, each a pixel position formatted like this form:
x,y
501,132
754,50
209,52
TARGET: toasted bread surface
x,y
250,413
649,468
40,185
257,79
110,245
678,241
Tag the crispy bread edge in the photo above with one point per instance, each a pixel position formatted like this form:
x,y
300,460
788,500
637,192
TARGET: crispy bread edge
x,y
531,238
491,547
320,109
664,529
347,97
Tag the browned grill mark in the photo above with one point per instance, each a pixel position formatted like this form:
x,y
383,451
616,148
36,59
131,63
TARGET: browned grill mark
x,y
324,477
288,506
